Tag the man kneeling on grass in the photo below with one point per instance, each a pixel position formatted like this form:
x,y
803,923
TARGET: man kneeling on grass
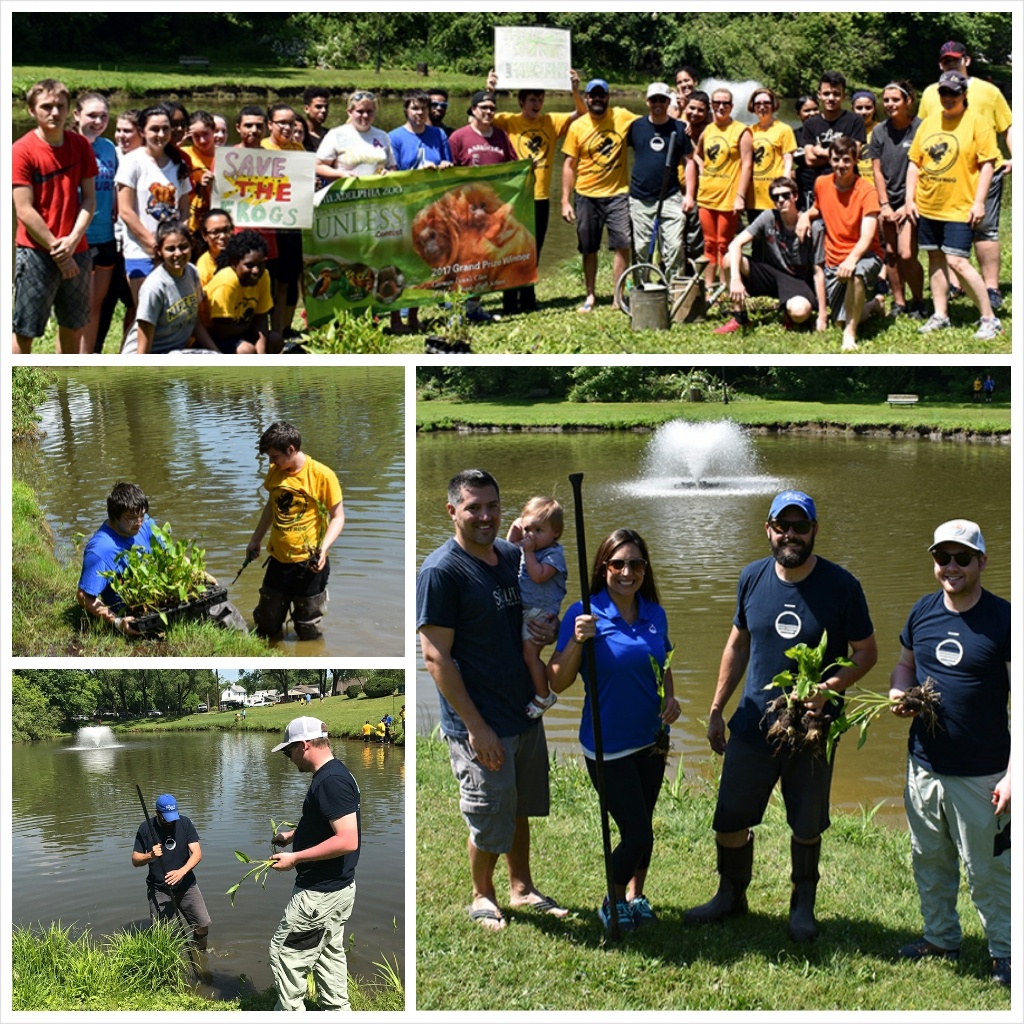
x,y
849,208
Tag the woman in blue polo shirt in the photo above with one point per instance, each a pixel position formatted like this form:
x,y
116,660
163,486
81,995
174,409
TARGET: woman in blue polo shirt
x,y
629,631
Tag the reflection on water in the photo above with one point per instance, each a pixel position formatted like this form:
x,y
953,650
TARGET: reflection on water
x,y
187,436
878,502
74,825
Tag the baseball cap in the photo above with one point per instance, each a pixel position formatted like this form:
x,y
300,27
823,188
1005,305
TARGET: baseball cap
x,y
301,729
658,89
482,96
959,531
952,49
596,83
797,498
953,81
167,807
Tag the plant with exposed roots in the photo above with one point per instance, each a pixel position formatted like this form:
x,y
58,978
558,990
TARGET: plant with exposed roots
x,y
863,706
261,868
792,724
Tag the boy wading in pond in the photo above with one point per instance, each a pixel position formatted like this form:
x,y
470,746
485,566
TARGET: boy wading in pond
x,y
305,516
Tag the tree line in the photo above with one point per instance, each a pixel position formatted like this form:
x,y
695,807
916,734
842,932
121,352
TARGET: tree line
x,y
629,383
786,50
46,702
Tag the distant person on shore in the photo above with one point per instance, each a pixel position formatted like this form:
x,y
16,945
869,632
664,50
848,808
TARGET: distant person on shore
x,y
316,102
957,797
54,189
171,882
596,167
989,387
298,567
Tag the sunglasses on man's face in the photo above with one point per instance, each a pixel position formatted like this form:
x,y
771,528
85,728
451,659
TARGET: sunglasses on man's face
x,y
801,527
778,197
962,558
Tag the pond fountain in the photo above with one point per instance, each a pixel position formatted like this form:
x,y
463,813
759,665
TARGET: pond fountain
x,y
716,457
91,737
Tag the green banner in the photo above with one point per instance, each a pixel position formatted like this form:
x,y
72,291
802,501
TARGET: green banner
x,y
410,238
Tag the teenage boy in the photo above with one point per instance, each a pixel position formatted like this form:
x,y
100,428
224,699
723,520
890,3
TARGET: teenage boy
x,y
305,516
316,106
53,177
832,122
849,207
439,109
251,127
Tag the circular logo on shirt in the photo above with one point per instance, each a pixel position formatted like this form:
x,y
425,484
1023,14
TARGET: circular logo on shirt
x,y
764,154
658,143
941,152
169,844
604,147
291,506
788,624
949,652
533,146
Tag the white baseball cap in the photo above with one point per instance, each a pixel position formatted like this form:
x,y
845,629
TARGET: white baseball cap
x,y
659,89
959,531
300,729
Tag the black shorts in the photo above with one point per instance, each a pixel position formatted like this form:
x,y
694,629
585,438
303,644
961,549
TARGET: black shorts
x,y
294,580
593,215
104,254
764,279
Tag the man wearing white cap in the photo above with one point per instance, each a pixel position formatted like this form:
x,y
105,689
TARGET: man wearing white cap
x,y
794,596
958,775
325,850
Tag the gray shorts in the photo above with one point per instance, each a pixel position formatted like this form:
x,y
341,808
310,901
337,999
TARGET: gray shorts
x,y
39,289
749,775
190,903
594,214
988,229
868,269
491,801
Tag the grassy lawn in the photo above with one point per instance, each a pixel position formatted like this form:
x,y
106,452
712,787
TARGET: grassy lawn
x,y
867,907
344,716
926,417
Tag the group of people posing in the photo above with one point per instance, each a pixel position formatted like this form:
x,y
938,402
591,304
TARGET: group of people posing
x,y
485,607
835,212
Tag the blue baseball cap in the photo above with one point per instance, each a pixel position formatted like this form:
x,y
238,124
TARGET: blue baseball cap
x,y
596,83
167,807
802,501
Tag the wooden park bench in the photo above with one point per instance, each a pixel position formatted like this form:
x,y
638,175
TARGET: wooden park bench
x,y
194,62
903,400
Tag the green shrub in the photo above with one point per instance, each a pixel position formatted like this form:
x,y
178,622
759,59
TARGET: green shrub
x,y
353,690
381,684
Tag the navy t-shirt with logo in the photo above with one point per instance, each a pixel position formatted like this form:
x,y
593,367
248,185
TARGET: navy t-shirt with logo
x,y
966,654
174,838
779,615
651,143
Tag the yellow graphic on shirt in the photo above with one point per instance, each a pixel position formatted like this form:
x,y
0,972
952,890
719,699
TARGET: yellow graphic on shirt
x,y
941,150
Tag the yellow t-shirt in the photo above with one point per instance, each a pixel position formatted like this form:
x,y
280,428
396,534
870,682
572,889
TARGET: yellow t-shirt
x,y
720,178
200,200
949,155
600,150
367,729
295,527
983,98
226,299
207,267
865,165
292,147
535,140
770,147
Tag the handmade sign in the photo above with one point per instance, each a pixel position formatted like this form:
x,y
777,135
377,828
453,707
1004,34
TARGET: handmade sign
x,y
533,58
265,188
410,238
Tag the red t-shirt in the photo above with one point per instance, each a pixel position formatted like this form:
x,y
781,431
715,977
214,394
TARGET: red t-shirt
x,y
843,214
470,149
55,174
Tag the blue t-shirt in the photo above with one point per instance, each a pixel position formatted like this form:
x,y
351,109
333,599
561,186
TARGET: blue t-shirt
x,y
779,615
107,550
650,143
966,654
333,793
101,227
627,691
550,594
412,150
482,604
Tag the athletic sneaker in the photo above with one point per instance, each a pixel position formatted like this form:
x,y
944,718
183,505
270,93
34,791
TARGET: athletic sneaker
x,y
989,327
735,324
995,297
897,311
921,948
935,323
918,310
956,293
627,923
479,315
642,911
1001,970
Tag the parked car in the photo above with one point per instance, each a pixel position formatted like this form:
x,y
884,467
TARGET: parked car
x,y
202,709
154,714
261,703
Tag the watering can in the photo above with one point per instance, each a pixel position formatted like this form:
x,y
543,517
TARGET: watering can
x,y
655,306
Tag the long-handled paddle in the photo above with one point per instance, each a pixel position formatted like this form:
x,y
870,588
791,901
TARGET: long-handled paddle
x,y
174,902
576,479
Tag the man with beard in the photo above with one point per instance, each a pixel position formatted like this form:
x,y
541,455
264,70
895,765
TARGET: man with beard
x,y
792,597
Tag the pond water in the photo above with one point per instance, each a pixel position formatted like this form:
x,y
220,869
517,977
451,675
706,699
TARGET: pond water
x,y
187,436
878,502
76,812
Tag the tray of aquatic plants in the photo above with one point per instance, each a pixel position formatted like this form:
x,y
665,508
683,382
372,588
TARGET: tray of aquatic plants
x,y
167,583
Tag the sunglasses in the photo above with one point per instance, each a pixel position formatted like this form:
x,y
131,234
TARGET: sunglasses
x,y
962,558
778,197
721,103
287,751
801,527
442,106
617,565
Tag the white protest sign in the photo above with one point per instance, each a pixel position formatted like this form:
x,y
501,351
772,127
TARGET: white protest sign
x,y
266,188
533,58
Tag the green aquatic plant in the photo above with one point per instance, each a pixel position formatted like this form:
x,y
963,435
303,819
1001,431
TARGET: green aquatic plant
x,y
171,572
661,740
261,868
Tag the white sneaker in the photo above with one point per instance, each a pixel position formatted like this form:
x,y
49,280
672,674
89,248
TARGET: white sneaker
x,y
989,327
934,323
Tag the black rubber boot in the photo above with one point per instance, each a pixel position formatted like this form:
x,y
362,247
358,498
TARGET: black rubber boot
x,y
735,866
802,926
